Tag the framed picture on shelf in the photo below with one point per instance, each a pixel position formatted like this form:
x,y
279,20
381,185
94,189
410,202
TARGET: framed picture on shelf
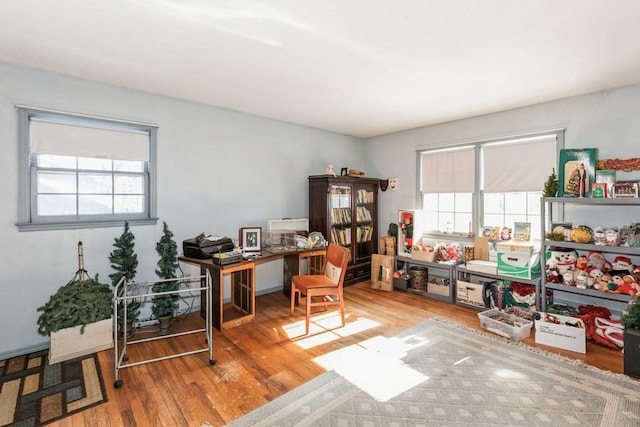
x,y
576,172
625,189
251,239
608,177
599,190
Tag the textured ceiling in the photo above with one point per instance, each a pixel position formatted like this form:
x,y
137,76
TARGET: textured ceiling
x,y
358,67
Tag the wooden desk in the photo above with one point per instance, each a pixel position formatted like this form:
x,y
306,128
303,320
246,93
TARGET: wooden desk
x,y
241,308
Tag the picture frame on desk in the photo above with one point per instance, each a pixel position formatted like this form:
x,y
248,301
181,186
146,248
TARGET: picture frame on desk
x,y
251,239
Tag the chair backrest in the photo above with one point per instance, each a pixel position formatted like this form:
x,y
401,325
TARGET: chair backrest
x,y
336,262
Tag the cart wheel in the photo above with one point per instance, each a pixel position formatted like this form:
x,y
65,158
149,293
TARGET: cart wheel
x,y
212,362
125,357
118,384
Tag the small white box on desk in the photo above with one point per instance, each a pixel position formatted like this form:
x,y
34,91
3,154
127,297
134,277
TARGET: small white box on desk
x,y
561,331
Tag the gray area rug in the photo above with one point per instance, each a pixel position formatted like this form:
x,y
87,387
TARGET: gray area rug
x,y
439,374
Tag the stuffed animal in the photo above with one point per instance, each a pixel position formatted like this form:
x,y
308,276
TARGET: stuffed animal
x,y
562,259
597,260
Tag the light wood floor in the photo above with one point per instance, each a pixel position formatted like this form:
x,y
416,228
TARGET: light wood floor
x,y
260,361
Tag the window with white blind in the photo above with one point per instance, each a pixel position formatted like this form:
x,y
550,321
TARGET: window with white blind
x,y
492,183
78,171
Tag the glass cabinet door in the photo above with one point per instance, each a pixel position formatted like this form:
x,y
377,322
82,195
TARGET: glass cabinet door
x,y
365,224
340,208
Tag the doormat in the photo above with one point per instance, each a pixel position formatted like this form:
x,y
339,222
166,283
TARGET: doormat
x,y
34,393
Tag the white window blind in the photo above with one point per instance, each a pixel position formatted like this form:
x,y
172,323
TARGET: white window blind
x,y
448,171
49,137
519,165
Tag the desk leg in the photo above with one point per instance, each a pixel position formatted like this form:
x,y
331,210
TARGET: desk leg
x,y
217,308
291,268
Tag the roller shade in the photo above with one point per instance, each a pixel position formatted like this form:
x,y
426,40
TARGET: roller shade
x,y
448,171
48,137
518,166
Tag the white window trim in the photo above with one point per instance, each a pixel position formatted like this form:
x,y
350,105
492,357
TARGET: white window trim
x,y
25,221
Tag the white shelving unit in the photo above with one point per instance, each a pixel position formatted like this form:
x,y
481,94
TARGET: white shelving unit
x,y
127,292
550,202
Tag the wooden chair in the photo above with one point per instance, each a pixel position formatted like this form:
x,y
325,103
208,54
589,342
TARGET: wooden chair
x,y
323,289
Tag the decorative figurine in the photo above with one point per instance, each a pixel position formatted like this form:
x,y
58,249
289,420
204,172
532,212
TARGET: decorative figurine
x,y
329,170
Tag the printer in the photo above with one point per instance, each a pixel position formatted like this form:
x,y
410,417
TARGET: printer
x,y
202,247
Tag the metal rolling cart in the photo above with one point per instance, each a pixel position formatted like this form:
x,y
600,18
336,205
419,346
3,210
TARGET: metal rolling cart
x,y
126,293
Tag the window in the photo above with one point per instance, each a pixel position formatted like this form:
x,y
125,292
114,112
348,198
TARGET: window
x,y
78,171
486,184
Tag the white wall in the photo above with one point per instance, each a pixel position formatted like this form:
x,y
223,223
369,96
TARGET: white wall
x,y
218,170
606,120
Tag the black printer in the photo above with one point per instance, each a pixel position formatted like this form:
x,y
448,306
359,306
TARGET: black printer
x,y
202,247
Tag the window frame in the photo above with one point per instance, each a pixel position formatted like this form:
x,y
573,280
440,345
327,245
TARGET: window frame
x,y
477,198
28,221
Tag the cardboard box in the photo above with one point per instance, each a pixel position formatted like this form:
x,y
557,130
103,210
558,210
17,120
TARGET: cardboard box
x,y
429,256
469,293
387,245
382,272
69,343
555,330
439,286
482,266
505,324
518,259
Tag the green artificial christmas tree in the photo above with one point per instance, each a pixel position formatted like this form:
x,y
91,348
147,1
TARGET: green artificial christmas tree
x,y
166,305
551,186
125,262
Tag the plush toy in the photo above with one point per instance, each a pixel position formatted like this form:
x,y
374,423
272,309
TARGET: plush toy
x,y
622,263
562,259
597,260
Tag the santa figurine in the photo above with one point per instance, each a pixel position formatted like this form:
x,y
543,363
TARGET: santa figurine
x,y
622,263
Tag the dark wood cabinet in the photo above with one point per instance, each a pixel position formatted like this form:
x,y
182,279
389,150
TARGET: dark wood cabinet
x,y
345,210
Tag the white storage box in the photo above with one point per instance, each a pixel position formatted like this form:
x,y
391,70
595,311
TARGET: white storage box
x,y
469,293
505,324
518,259
555,330
69,343
482,266
439,287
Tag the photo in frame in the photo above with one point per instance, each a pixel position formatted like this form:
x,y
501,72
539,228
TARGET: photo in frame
x,y
625,189
251,239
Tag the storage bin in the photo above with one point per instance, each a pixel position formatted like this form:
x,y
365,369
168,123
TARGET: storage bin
x,y
429,256
505,324
418,278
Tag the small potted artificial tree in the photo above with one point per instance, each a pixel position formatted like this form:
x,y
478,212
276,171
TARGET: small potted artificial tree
x,y
125,262
77,317
164,306
631,322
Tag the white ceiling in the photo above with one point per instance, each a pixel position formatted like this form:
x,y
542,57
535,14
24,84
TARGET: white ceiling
x,y
358,67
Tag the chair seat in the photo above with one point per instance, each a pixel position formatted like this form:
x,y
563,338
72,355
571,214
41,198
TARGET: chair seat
x,y
324,289
302,283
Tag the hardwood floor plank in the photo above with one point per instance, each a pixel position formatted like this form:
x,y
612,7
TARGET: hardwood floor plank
x,y
260,361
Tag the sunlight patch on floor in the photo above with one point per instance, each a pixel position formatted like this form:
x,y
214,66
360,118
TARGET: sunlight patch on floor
x,y
375,367
508,373
324,328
